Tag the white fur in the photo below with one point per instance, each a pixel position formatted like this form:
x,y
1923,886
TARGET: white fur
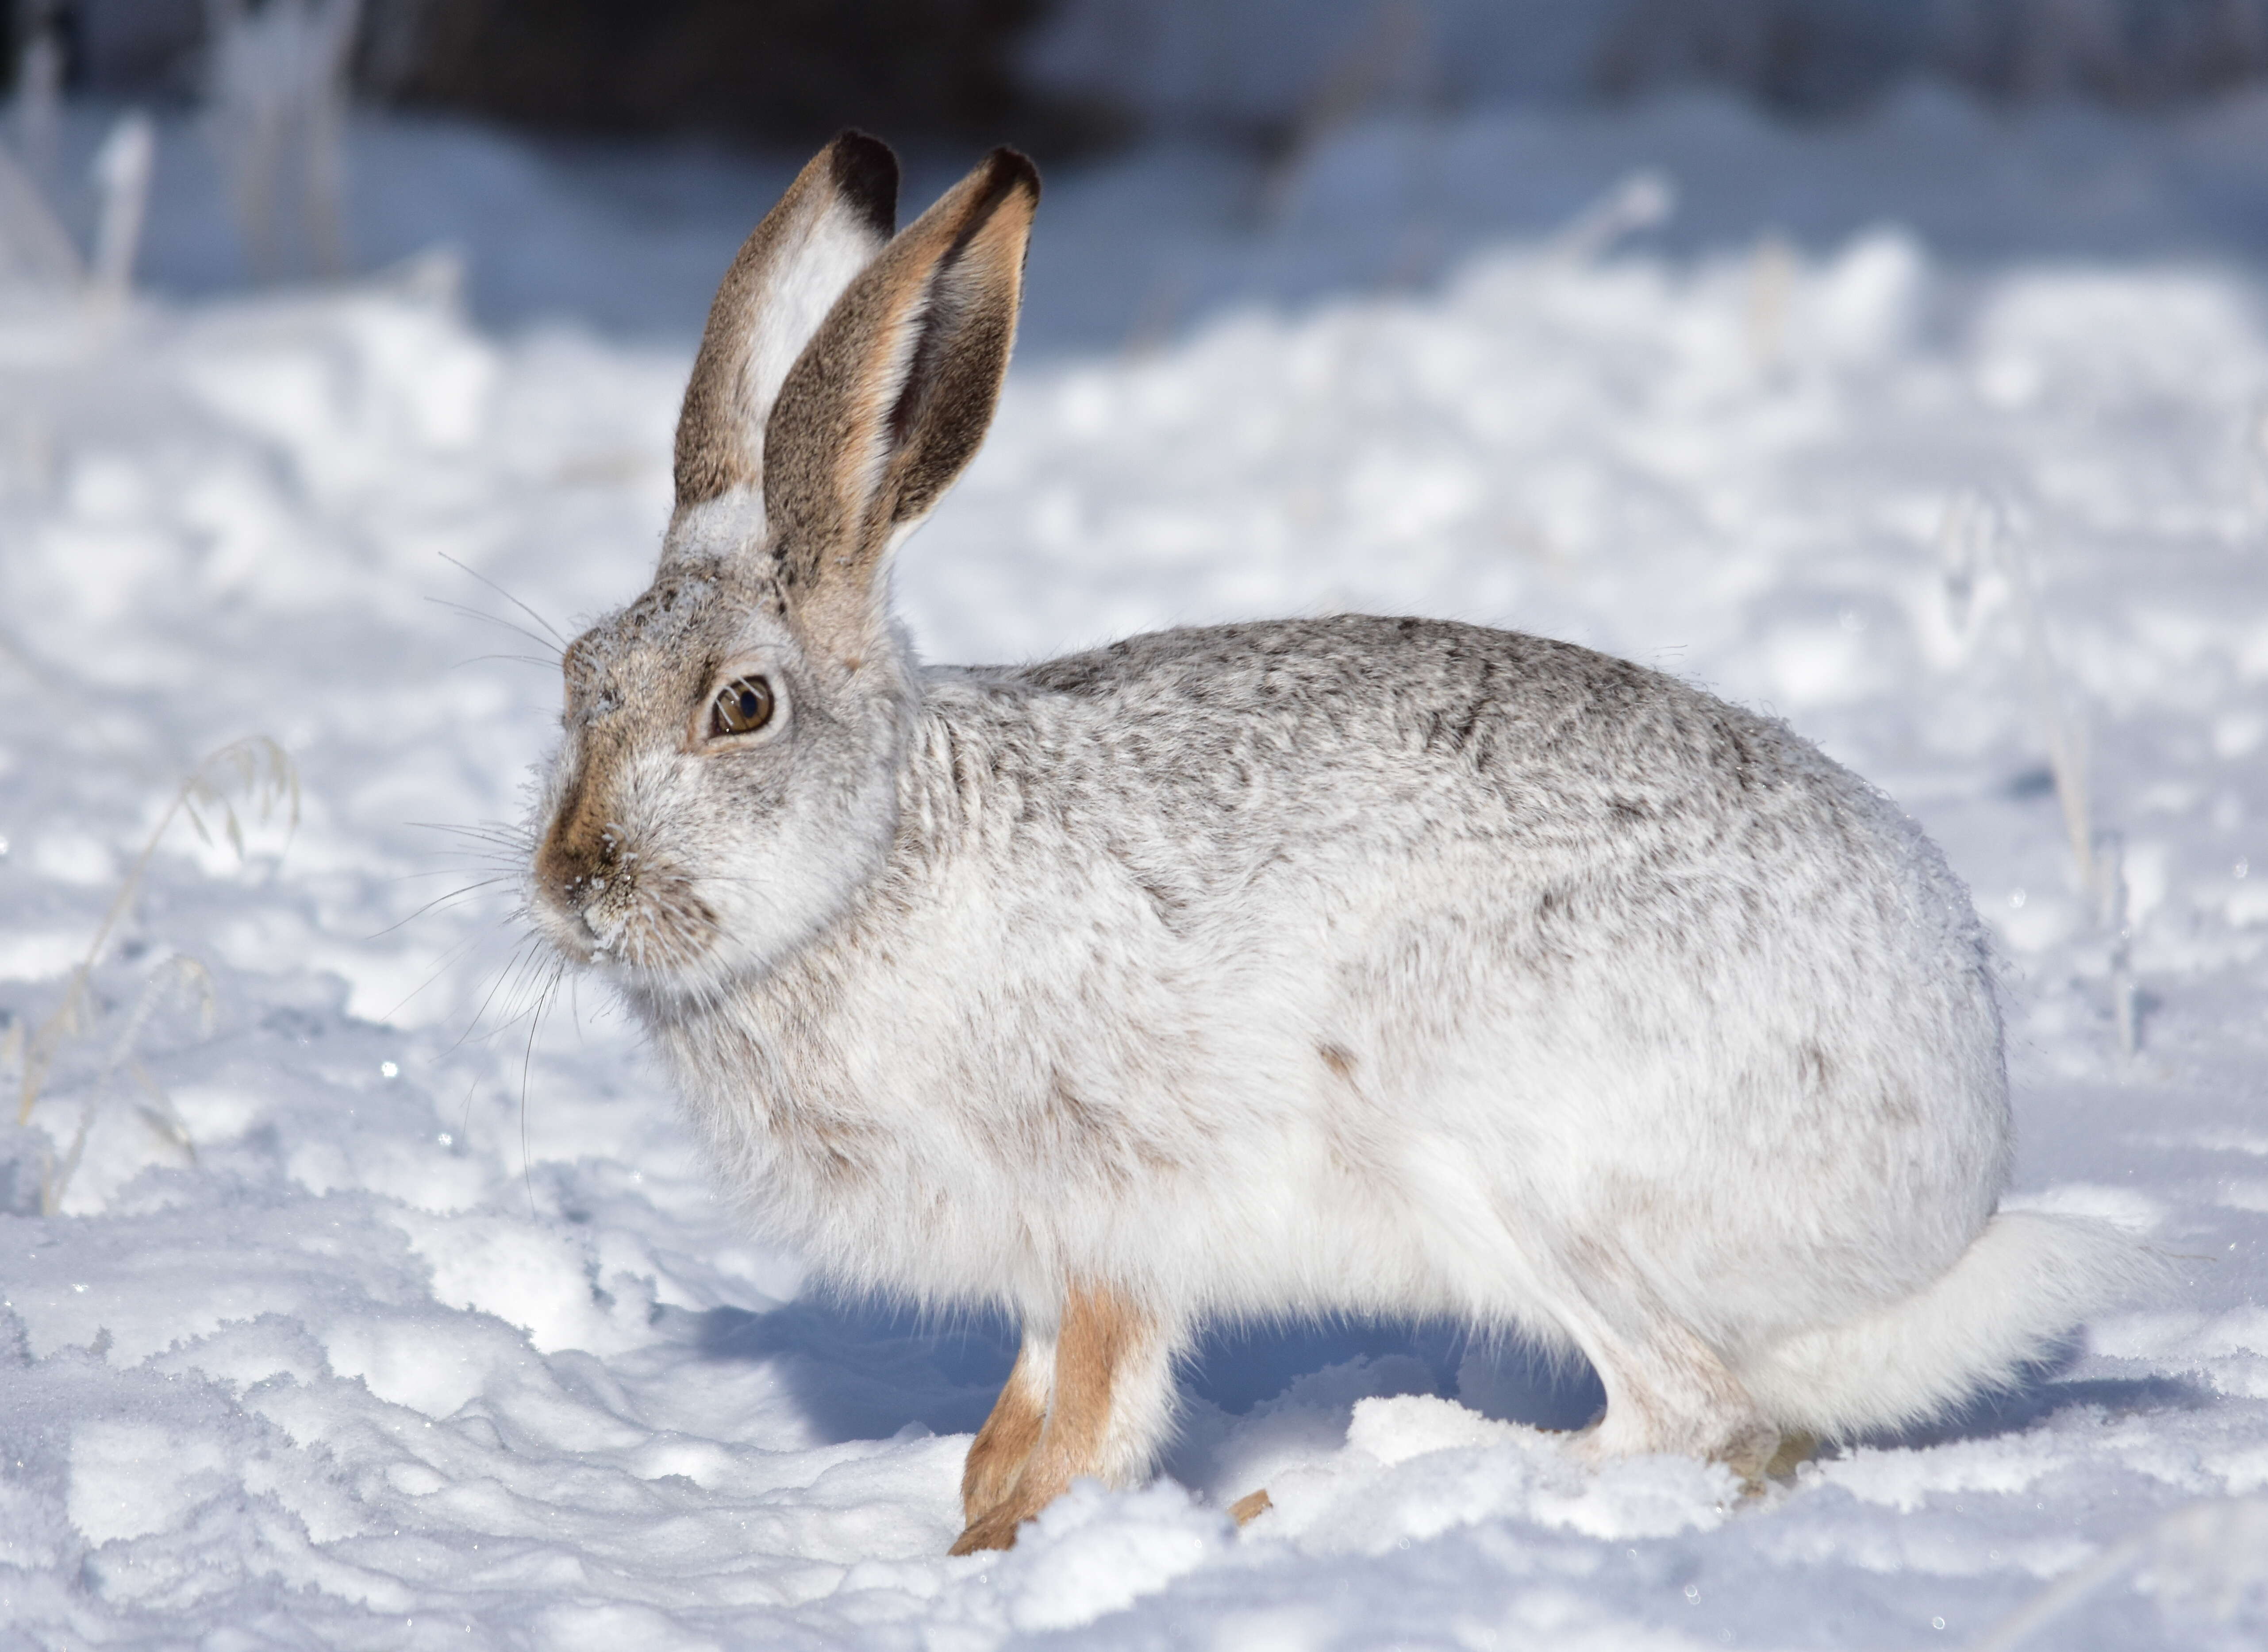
x,y
717,528
2027,1280
813,266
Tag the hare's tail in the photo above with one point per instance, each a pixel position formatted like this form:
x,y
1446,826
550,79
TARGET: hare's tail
x,y
2027,1280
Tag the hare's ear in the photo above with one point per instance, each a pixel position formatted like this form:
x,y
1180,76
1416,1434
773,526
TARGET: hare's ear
x,y
889,402
833,221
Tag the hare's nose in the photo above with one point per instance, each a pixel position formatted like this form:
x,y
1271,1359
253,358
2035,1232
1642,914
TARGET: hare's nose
x,y
561,875
575,861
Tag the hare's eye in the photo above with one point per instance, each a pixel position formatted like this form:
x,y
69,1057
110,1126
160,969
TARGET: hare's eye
x,y
741,707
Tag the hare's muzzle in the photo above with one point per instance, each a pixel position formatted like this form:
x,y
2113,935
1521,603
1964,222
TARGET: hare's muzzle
x,y
573,872
599,903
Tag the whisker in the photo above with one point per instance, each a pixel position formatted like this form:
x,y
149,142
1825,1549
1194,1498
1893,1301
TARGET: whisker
x,y
496,834
530,964
492,619
453,897
448,958
477,829
507,596
523,659
490,840
526,1061
518,955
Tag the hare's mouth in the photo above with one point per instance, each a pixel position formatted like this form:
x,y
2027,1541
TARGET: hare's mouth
x,y
652,924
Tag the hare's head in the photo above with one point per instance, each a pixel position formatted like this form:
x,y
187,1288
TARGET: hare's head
x,y
727,778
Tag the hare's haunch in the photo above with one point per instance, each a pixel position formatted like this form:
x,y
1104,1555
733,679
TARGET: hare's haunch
x,y
1382,966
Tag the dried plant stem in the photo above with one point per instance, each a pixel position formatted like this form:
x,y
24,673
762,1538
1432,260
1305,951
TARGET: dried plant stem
x,y
1971,539
1639,201
2065,729
157,1107
2111,912
258,768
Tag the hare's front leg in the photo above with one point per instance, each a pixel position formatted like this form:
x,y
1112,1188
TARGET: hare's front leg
x,y
1109,1404
997,1454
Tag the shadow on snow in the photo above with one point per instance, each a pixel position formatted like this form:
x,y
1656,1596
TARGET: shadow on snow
x,y
864,1371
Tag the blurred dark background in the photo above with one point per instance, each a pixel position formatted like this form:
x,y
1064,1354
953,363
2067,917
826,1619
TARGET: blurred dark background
x,y
597,161
1067,76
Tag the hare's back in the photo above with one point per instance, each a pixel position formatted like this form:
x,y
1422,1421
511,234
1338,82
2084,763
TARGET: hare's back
x,y
1302,766
1393,725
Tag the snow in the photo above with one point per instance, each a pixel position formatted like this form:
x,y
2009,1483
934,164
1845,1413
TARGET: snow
x,y
426,1327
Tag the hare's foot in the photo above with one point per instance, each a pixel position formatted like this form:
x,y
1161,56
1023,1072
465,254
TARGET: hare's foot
x,y
1749,1446
1680,1406
996,1455
1108,1407
1250,1507
995,1530
1795,1449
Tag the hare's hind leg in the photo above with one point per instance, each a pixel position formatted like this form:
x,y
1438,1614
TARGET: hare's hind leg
x,y
1109,1409
997,1454
1666,1389
1671,1393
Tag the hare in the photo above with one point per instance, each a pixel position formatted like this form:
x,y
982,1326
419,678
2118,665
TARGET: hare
x,y
1380,966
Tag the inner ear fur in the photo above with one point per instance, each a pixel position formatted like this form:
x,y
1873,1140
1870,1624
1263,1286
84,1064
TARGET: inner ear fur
x,y
892,397
835,216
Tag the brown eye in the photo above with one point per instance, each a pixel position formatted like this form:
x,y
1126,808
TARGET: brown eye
x,y
741,707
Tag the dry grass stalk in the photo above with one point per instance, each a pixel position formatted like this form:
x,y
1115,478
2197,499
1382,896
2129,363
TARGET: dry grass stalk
x,y
257,773
1972,542
179,973
1639,201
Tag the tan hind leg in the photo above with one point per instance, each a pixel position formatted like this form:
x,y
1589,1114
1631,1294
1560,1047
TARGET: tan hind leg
x,y
995,1458
1109,1410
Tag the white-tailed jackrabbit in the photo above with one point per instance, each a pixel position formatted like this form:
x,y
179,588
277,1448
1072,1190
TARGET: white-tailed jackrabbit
x,y
1382,966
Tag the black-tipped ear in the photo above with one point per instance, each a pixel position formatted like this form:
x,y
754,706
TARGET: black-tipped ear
x,y
834,220
866,177
953,382
890,400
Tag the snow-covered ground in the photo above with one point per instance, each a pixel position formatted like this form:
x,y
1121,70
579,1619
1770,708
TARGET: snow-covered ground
x,y
374,1313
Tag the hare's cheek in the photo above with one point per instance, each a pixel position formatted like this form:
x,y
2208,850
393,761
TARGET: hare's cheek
x,y
663,925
